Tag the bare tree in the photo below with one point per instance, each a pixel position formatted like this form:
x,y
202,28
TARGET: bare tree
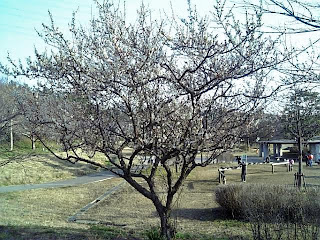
x,y
301,19
12,122
304,14
301,119
301,112
307,103
8,108
152,91
262,125
302,11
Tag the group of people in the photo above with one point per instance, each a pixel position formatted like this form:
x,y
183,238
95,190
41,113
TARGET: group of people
x,y
309,160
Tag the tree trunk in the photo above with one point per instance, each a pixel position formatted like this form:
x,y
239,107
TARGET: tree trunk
x,y
166,229
33,142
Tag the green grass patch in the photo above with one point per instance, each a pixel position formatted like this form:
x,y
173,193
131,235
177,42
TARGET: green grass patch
x,y
26,166
22,147
39,169
49,207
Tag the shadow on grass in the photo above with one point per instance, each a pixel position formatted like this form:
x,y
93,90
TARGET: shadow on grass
x,y
39,232
312,177
48,233
257,171
77,169
203,214
213,180
192,184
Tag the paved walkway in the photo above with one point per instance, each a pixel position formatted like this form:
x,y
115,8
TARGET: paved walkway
x,y
95,177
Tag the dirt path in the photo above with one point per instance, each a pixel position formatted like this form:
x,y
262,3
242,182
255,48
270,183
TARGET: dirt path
x,y
95,177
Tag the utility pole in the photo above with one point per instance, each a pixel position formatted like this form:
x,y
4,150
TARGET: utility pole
x,y
299,182
299,139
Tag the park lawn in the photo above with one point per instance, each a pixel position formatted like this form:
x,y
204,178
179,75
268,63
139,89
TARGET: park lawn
x,y
27,166
45,211
195,211
35,168
126,212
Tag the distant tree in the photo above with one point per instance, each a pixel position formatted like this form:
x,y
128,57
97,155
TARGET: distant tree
x,y
7,107
305,17
156,92
302,110
302,69
262,125
12,122
301,119
9,111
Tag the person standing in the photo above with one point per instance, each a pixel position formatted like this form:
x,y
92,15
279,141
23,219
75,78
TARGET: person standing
x,y
291,162
223,176
310,159
267,159
243,171
238,158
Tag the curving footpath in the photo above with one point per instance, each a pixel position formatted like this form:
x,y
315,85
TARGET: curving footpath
x,y
95,177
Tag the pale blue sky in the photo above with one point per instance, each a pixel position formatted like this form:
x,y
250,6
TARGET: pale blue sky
x,y
20,18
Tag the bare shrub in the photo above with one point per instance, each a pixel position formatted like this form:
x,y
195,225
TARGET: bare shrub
x,y
230,197
275,212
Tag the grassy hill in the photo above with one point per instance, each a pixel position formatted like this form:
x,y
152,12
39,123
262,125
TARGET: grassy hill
x,y
26,166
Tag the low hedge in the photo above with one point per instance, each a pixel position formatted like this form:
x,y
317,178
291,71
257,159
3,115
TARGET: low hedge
x,y
274,212
269,202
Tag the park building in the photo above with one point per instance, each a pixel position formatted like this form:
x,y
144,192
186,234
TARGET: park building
x,y
280,149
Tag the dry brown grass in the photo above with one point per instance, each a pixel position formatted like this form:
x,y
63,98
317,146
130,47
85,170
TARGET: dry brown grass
x,y
196,211
49,207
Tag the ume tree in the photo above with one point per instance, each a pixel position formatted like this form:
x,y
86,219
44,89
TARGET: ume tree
x,y
148,94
